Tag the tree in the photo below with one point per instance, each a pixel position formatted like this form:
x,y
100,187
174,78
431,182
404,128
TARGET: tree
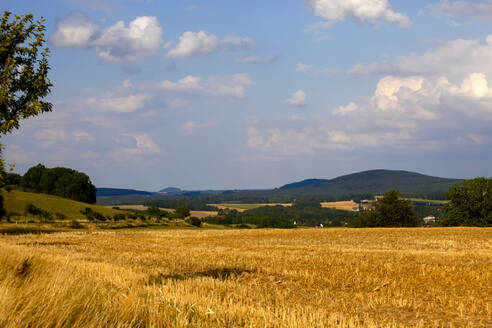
x,y
60,181
470,204
389,211
181,211
23,70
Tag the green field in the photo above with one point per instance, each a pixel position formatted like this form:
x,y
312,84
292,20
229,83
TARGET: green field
x,y
16,201
240,206
436,202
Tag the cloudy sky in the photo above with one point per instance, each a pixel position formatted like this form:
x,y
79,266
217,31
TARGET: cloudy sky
x,y
205,94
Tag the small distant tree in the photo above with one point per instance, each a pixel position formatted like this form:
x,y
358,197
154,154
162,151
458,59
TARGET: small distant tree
x,y
389,211
470,204
119,217
194,221
181,212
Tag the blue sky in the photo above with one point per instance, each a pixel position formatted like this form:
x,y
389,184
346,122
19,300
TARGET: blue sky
x,y
255,94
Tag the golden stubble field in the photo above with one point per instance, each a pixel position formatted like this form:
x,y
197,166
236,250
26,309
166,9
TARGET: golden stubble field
x,y
248,278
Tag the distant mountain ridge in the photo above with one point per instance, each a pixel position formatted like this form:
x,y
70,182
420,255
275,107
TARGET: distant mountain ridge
x,y
374,182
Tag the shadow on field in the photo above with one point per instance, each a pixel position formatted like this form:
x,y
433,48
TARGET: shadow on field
x,y
219,273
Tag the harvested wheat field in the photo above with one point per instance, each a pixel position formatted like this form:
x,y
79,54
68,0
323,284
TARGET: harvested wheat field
x,y
346,205
248,278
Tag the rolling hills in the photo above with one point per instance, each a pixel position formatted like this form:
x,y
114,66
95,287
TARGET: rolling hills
x,y
15,202
374,182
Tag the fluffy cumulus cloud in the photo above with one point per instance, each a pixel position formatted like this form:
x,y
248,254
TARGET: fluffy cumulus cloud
x,y
462,8
118,43
203,43
439,100
76,30
464,56
228,86
371,11
298,98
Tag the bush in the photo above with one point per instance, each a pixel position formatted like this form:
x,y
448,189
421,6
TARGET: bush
x,y
60,216
469,204
389,211
181,212
119,217
194,221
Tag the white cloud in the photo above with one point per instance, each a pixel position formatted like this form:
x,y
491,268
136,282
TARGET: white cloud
x,y
144,145
303,68
188,83
142,38
117,43
462,8
76,30
122,104
404,113
190,126
298,98
229,85
371,11
202,43
258,60
454,59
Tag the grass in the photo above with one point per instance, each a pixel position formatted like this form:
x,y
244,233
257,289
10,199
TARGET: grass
x,y
248,278
241,206
436,202
16,201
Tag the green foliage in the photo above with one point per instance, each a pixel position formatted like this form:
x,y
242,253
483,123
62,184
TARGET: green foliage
x,y
389,211
155,212
60,216
93,215
23,70
33,210
470,204
61,182
194,221
307,216
119,217
181,211
303,203
2,208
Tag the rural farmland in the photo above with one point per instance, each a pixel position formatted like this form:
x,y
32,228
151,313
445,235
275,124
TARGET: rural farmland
x,y
255,278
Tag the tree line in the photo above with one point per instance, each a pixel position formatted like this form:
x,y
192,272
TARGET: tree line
x,y
58,181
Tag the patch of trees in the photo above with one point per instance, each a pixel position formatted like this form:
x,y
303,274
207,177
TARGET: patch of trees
x,y
389,211
60,181
305,213
470,204
192,203
233,217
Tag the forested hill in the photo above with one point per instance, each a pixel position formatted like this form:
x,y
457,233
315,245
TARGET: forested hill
x,y
105,192
374,182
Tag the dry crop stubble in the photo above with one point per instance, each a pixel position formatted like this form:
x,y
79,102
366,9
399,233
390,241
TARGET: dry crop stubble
x,y
253,278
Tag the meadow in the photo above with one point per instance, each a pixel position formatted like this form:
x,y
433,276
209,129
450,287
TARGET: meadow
x,y
15,202
421,277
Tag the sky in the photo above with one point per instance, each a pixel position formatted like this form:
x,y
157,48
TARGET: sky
x,y
224,94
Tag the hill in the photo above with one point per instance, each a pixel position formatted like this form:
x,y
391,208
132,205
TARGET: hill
x,y
375,182
16,201
106,192
304,183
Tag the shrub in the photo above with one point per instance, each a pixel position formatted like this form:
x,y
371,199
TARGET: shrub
x,y
194,221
